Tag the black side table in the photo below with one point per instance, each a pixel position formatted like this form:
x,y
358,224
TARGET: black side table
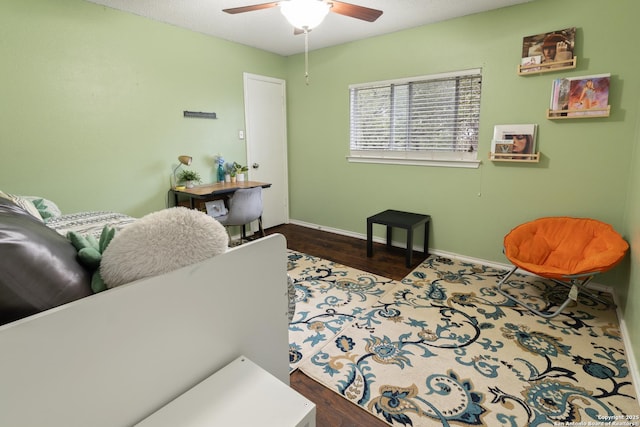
x,y
408,221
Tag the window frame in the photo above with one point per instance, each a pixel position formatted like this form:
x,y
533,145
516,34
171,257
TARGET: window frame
x,y
458,159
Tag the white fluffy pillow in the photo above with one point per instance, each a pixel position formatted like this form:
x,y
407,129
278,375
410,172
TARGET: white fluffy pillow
x,y
160,242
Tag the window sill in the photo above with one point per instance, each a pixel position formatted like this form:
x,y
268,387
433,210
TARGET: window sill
x,y
447,163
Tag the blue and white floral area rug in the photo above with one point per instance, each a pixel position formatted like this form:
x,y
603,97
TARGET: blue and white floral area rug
x,y
444,348
329,296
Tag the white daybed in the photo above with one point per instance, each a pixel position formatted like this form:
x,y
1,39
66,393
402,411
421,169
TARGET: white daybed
x,y
114,358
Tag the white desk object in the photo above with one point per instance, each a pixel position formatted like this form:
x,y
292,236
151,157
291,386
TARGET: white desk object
x,y
240,394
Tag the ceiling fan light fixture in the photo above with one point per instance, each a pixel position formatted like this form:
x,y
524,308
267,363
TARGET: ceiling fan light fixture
x,y
304,14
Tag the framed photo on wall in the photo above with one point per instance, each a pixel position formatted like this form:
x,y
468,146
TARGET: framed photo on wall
x,y
550,50
515,142
580,96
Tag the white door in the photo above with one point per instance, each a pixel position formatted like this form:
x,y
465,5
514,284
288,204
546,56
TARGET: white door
x,y
266,133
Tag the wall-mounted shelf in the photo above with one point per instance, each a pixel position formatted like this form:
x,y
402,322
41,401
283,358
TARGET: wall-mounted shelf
x,y
511,157
547,67
199,114
583,114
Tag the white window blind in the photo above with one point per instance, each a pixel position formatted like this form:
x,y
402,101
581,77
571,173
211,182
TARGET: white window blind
x,y
433,118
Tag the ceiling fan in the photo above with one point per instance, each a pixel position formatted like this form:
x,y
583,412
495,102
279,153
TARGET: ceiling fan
x,y
307,14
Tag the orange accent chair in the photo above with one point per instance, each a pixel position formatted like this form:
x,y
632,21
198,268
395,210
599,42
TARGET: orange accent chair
x,y
569,251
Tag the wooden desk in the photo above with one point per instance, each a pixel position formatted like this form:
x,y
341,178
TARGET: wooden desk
x,y
210,191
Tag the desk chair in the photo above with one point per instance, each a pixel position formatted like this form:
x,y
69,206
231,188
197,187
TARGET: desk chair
x,y
245,206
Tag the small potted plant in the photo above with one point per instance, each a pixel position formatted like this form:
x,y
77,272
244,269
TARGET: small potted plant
x,y
189,177
229,173
239,171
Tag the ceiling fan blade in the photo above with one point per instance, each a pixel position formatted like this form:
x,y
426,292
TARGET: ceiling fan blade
x,y
243,9
355,11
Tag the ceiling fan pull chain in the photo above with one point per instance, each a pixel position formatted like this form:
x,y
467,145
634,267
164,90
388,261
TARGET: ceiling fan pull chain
x,y
306,56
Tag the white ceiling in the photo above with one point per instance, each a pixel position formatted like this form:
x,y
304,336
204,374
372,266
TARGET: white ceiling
x,y
267,29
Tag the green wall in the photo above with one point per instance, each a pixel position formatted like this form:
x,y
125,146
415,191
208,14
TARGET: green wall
x,y
585,163
92,102
630,294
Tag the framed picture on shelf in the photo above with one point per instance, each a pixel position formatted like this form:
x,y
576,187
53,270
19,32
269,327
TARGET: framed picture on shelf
x,y
215,208
580,96
515,142
550,50
528,64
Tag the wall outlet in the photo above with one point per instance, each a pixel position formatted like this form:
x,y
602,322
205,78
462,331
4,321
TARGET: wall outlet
x,y
240,134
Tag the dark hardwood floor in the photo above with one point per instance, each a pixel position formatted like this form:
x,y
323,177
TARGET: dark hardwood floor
x,y
331,409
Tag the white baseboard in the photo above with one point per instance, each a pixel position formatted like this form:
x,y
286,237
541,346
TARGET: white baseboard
x,y
382,240
633,365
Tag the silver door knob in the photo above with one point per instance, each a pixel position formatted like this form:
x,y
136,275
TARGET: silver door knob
x,y
255,165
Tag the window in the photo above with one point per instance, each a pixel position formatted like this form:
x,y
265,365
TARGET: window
x,y
430,120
